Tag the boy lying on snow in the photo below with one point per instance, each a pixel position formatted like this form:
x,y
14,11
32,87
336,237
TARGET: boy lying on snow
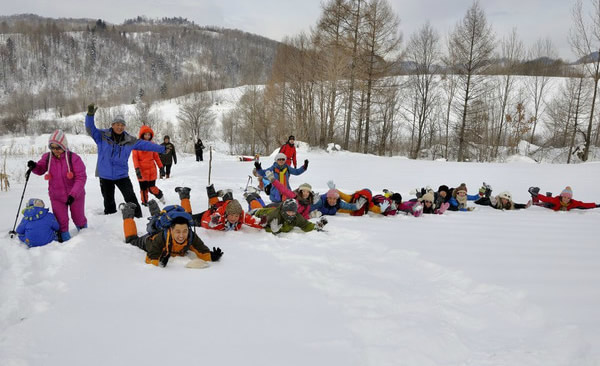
x,y
222,215
175,240
285,217
562,202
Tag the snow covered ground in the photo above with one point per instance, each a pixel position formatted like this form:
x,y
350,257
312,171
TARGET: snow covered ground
x,y
480,288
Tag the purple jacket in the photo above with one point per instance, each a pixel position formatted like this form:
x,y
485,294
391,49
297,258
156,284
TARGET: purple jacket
x,y
60,186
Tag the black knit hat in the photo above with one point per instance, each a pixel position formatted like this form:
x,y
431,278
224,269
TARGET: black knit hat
x,y
443,188
291,138
396,197
166,137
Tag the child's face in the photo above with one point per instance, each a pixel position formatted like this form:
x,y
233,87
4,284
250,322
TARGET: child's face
x,y
305,193
443,194
565,199
331,201
147,136
233,218
56,150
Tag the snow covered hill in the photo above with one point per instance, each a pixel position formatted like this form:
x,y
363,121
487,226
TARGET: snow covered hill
x,y
480,288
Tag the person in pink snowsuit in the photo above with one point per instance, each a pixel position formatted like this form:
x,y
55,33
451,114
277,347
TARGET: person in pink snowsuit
x,y
66,181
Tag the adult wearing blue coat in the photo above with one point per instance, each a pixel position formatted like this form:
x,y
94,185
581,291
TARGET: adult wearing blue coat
x,y
281,172
38,226
114,147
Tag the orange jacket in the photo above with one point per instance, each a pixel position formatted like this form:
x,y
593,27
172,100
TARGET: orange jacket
x,y
146,161
245,219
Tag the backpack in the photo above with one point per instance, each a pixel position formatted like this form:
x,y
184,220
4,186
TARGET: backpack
x,y
162,221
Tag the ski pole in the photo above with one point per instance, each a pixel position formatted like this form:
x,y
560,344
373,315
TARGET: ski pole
x,y
248,182
27,174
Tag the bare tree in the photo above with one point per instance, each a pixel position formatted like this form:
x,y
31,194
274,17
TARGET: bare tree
x,y
584,38
380,40
195,117
353,31
471,46
512,55
423,50
537,84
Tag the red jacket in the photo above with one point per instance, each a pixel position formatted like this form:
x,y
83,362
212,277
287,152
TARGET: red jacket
x,y
290,153
146,160
245,219
557,206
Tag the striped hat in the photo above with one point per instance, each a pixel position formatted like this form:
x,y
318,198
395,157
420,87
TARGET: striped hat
x,y
59,138
567,192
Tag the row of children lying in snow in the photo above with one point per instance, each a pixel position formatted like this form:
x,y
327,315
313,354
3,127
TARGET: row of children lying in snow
x,y
39,226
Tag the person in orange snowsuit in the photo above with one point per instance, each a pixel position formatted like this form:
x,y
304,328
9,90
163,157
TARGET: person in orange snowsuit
x,y
145,163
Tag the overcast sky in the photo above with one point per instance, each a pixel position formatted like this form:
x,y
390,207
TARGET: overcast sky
x,y
533,19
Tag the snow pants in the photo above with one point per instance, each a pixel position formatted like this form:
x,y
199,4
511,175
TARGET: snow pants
x,y
61,211
107,187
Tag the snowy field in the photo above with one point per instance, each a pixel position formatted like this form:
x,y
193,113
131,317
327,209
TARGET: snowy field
x,y
466,288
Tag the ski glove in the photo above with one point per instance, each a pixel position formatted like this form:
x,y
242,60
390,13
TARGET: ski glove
x,y
70,200
305,164
534,191
257,165
92,109
319,224
214,220
598,205
138,173
315,213
330,184
216,254
31,164
269,175
384,206
360,203
275,226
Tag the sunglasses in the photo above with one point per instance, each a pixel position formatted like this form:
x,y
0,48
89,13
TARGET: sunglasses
x,y
54,147
462,193
280,159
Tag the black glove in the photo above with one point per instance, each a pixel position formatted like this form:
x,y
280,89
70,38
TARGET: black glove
x,y
31,164
597,204
164,259
534,191
305,164
216,254
70,200
138,173
92,109
257,165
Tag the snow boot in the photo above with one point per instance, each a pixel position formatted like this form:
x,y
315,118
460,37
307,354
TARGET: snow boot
x,y
184,192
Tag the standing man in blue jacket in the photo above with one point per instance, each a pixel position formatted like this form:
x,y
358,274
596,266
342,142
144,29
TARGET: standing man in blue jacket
x,y
114,147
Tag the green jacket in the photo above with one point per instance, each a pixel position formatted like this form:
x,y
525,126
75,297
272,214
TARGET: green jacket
x,y
272,213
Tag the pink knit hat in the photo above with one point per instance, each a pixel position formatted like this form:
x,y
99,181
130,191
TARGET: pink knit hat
x,y
59,138
332,193
567,192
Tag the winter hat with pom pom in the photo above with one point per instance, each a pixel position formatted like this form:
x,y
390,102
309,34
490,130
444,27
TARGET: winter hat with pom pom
x,y
59,138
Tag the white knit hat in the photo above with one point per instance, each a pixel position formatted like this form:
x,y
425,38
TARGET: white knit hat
x,y
280,156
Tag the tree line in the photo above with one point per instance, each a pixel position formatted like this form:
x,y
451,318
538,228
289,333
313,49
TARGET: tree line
x,y
470,95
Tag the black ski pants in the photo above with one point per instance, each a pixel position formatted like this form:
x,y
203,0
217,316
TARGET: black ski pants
x,y
107,187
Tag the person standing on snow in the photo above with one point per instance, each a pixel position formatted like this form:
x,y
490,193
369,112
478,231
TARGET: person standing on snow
x,y
114,147
198,147
66,178
145,163
289,150
168,158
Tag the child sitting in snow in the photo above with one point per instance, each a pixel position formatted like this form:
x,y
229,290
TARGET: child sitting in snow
x,y
38,226
562,202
